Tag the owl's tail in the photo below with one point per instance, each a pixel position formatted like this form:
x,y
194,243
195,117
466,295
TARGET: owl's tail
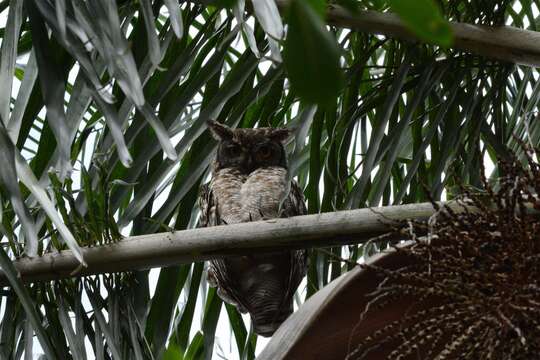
x,y
268,307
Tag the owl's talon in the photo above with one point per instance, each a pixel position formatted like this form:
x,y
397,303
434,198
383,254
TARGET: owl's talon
x,y
211,279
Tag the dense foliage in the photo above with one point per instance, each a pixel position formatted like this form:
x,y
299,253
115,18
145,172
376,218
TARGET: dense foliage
x,y
103,109
473,275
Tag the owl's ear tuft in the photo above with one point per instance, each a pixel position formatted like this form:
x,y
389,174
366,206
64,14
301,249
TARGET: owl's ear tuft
x,y
219,131
281,134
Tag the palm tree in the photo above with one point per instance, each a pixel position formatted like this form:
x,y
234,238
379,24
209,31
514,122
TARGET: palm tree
x,y
103,109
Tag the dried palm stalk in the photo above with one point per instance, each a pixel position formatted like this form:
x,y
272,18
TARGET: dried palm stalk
x,y
475,278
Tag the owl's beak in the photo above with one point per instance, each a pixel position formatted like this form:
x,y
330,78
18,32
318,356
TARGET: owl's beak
x,y
250,164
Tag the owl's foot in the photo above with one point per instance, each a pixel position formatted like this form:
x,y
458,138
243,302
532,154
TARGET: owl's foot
x,y
261,217
225,296
211,279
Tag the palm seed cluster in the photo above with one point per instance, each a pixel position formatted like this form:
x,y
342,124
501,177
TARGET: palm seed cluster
x,y
473,275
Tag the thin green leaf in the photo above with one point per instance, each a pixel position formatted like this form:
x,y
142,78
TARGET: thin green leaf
x,y
8,178
75,343
384,173
27,303
268,15
9,55
116,132
52,80
23,98
173,352
423,17
28,178
311,55
104,326
211,316
195,348
175,14
430,133
359,189
170,283
28,341
61,16
153,42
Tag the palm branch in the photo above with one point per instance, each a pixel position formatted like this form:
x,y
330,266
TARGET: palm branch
x,y
103,135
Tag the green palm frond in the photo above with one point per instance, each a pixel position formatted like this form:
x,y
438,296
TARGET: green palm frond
x,y
105,132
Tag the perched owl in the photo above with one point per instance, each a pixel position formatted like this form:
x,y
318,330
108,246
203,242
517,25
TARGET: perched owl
x,y
250,182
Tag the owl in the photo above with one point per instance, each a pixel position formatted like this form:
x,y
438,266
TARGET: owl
x,y
250,182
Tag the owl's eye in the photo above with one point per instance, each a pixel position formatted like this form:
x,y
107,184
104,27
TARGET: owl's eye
x,y
233,150
264,152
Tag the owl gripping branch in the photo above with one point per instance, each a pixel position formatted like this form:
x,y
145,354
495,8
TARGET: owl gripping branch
x,y
250,182
163,249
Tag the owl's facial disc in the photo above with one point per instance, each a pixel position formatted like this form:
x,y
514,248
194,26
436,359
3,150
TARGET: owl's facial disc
x,y
269,154
231,154
232,149
249,156
250,149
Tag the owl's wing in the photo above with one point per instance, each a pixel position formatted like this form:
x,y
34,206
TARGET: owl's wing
x,y
295,205
207,218
207,205
217,269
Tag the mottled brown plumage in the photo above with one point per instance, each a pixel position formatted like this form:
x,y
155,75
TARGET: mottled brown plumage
x,y
250,182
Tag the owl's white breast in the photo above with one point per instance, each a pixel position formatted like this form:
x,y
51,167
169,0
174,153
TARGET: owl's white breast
x,y
242,198
263,192
226,186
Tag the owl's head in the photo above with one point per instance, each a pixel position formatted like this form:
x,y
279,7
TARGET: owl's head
x,y
249,149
